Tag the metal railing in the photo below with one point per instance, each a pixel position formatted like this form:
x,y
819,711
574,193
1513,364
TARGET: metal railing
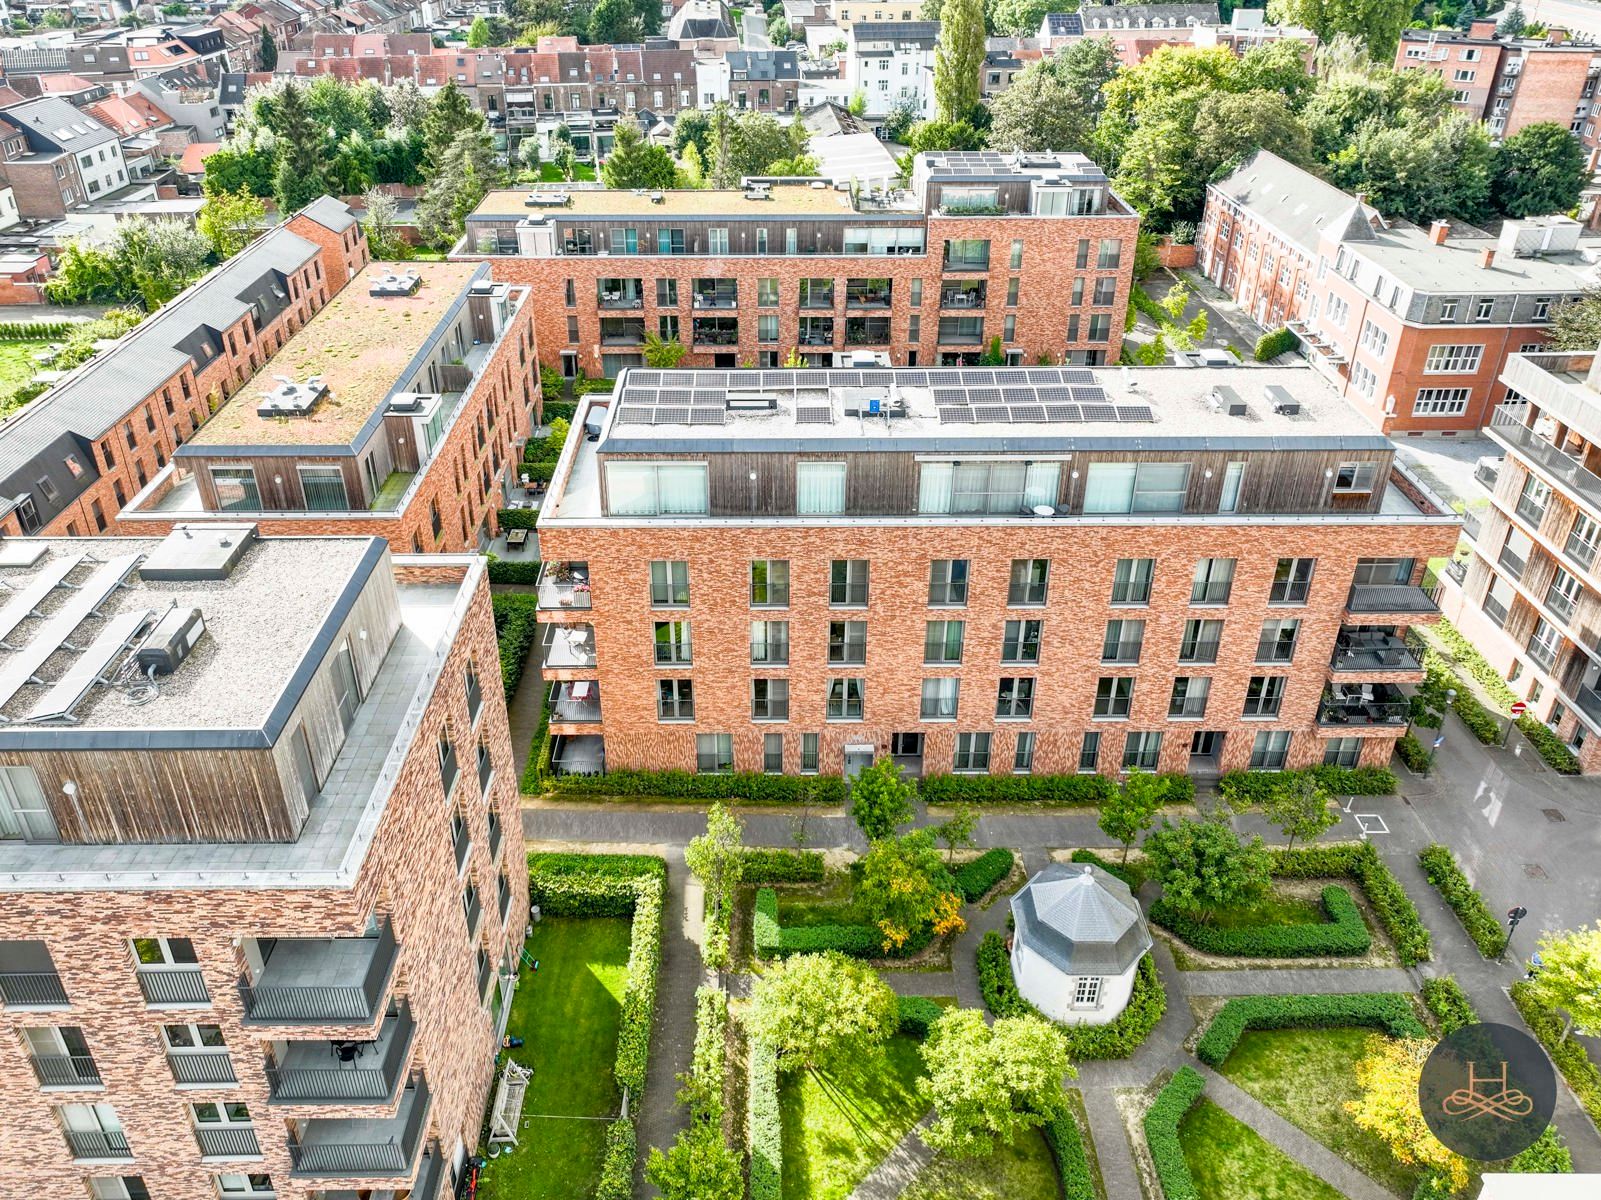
x,y
1199,652
1530,511
554,591
97,1143
1457,569
1373,654
201,1066
1589,700
32,989
1545,656
391,1157
228,1141
324,1003
173,985
475,698
1378,712
495,832
348,1084
1512,563
66,1070
474,909
1472,525
1390,597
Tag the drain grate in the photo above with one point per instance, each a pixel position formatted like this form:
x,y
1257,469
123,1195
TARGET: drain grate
x,y
1554,815
1534,871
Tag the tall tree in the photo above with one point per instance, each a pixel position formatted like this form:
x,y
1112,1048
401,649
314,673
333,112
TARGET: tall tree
x,y
880,798
692,127
698,1166
1132,808
1204,865
904,888
1229,128
299,175
469,169
1054,104
1020,18
1540,169
1420,171
1379,22
819,1011
1569,981
613,22
1576,324
378,223
990,1083
634,162
267,55
450,114
478,34
229,220
958,59
1512,21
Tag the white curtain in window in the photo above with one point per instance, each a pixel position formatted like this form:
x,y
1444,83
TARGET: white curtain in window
x,y
934,486
819,488
1109,488
1233,474
681,488
631,489
1160,487
1043,480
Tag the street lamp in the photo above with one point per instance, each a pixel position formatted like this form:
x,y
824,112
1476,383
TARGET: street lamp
x,y
1439,738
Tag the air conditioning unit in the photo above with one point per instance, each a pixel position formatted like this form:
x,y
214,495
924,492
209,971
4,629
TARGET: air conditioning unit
x,y
171,641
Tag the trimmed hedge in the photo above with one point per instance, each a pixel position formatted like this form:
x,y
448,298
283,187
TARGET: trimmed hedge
x,y
1162,1133
515,630
1132,874
917,1015
711,1049
1569,1056
1441,870
1270,345
505,571
1241,789
1361,863
1066,1141
780,866
1389,1011
542,472
1412,753
763,1125
551,410
617,1168
974,879
1548,745
752,787
1450,1005
1344,933
773,940
517,518
1040,789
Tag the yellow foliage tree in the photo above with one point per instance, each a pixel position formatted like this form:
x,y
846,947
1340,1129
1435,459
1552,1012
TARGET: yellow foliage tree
x,y
1388,1107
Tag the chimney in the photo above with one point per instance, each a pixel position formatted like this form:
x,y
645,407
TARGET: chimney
x,y
1487,257
1438,232
1555,37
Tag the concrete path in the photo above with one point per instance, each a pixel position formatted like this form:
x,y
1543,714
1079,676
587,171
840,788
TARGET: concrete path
x,y
1272,981
1110,1138
900,1167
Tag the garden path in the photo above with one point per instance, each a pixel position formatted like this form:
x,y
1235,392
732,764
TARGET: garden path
x,y
900,1167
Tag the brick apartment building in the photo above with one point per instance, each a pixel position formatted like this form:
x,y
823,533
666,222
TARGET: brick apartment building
x,y
1035,250
1529,593
395,412
72,458
57,157
1046,570
260,916
1412,325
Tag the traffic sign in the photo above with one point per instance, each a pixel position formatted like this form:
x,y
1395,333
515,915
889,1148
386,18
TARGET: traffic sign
x,y
1439,741
1517,913
1518,708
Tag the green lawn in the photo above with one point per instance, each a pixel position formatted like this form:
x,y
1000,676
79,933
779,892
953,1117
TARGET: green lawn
x,y
836,1130
1306,1074
582,172
1019,1170
567,1012
828,903
1231,1161
17,366
1271,909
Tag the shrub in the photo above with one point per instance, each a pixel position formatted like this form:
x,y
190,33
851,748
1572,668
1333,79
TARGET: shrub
x,y
584,386
781,866
1039,789
1132,874
517,518
639,991
772,940
1162,1133
1067,1149
918,1014
562,410
765,932
1441,870
536,772
543,472
1250,789
1450,1005
763,1125
711,1048
1569,1056
752,787
617,1167
1343,933
1413,754
515,629
501,571
35,331
974,879
1361,863
1477,718
1389,1011
1280,341
1548,745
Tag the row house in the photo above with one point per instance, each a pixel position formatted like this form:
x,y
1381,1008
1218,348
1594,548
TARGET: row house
x,y
891,64
149,136
57,157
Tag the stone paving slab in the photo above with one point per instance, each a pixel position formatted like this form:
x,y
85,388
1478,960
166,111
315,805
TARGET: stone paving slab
x,y
1110,1135
1296,981
900,1167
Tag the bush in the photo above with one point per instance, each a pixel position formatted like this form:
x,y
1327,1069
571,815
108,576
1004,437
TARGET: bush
x,y
1413,754
1441,870
1251,789
1548,745
1450,1005
1039,789
584,386
1361,863
617,1168
1162,1133
639,992
1280,341
542,472
515,630
501,571
781,866
560,410
35,331
1067,1149
1389,1011
766,935
1569,1056
772,940
751,787
974,879
711,1049
536,772
1344,933
918,1014
1132,874
517,518
764,1127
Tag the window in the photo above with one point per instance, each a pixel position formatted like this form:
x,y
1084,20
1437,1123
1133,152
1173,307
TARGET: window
x,y
636,489
1342,752
1109,254
1142,751
986,487
767,293
667,293
769,699
1270,750
1029,582
1562,597
1021,642
1452,360
1355,477
1440,402
847,641
1023,753
1383,571
669,584
1136,487
939,699
769,583
1292,580
767,329
93,1130
1131,580
132,1187
1214,578
1533,500
675,700
1498,601
24,812
1277,641
1448,311
1583,539
808,760
1190,693
1200,641
672,642
1123,641
1543,642
1375,339
1017,254
769,642
1014,698
965,254
1087,991
972,752
1483,310
773,753
845,699
236,489
947,582
942,641
1113,695
1089,752
714,753
847,583
1263,695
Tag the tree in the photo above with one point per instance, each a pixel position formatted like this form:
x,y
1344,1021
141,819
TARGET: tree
x,y
465,175
750,144
1055,103
692,128
943,135
820,1011
1020,18
858,104
663,352
1539,169
990,1083
1420,170
1300,808
1379,22
478,34
778,31
267,55
800,166
1576,324
1204,865
1131,809
634,162
904,888
1512,21
1466,15
902,115
379,224
565,160
693,172
229,220
408,107
354,167
613,22
717,860
339,107
298,175
1388,1107
880,799
244,161
1569,980
450,114
1229,128
956,831
698,1166
958,59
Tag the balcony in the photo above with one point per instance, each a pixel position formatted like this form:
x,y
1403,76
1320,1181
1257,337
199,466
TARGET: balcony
x,y
961,331
1457,569
1587,700
1363,704
868,293
1390,597
1472,525
473,906
322,981
1542,654
715,298
360,1072
563,585
1580,551
620,293
1488,474
1372,652
173,986
227,1141
69,1071
430,1176
816,296
28,978
867,331
203,1067
1531,512
816,331
1551,462
575,702
622,331
89,1145
568,647
973,296
361,1147
715,331
1199,652
584,754
1511,562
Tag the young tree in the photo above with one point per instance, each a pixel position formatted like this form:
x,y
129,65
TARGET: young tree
x,y
1540,169
1576,324
1054,104
716,858
904,888
267,55
1379,22
858,104
663,352
450,114
989,1083
958,59
379,224
698,1166
467,172
478,34
1020,18
902,115
1300,808
943,135
1569,980
1132,808
957,830
634,162
298,175
1388,1107
1466,15
1204,865
692,128
819,1011
407,106
880,799
565,160
229,220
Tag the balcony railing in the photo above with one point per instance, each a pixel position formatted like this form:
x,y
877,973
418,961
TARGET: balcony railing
x,y
227,1141
962,298
1542,654
1387,708
1487,475
715,337
1360,653
715,300
367,1072
201,1066
867,297
1390,597
1580,551
1495,610
573,708
1531,512
331,1147
475,910
1472,524
97,1143
66,1070
430,1176
1550,461
1512,563
563,585
1199,652
1560,603
631,334
1588,700
1457,569
173,985
568,646
296,982
32,989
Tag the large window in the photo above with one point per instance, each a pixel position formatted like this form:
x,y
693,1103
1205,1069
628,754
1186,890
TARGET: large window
x,y
1123,641
1029,582
1188,702
986,487
845,699
1277,641
1021,642
1131,580
947,582
236,489
672,642
939,699
1136,487
847,641
769,699
769,642
847,583
1200,641
714,753
1342,752
965,254
1142,751
1089,753
323,488
636,489
1214,578
1263,695
972,752
1292,579
942,641
1452,360
1113,695
1270,750
669,583
1441,402
769,583
1014,698
24,813
819,488
675,700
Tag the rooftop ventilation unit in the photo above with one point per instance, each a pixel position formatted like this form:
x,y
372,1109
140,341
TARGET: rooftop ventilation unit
x,y
170,642
658,197
870,402
291,399
758,191
548,200
484,287
197,552
407,402
1283,403
405,284
1225,399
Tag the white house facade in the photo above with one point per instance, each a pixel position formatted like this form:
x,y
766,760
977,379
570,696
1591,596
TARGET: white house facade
x,y
1079,937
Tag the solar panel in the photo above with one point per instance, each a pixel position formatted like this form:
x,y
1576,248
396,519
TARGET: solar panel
x,y
646,377
956,416
877,378
983,395
711,379
1061,412
1077,375
1028,412
22,602
1135,412
847,379
772,379
814,416
811,379
1054,395
21,666
707,397
634,414
938,377
1099,412
68,691
674,396
1018,395
670,416
707,416
1089,395
972,377
992,412
950,395
640,396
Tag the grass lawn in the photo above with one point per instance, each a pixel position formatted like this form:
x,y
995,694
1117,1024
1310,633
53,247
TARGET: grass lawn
x,y
582,172
828,903
567,1012
838,1129
17,365
1306,1074
1271,909
1231,1161
1019,1170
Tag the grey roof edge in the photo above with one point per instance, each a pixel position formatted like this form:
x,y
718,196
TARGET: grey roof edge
x,y
1022,444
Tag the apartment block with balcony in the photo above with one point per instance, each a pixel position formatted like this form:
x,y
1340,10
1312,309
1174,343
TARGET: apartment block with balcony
x,y
396,412
981,570
238,955
1036,251
1529,595
1412,325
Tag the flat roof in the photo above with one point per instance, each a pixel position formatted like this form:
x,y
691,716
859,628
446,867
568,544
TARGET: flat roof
x,y
607,202
359,343
1406,252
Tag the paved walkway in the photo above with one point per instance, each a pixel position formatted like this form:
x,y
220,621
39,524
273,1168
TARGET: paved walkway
x,y
1109,1135
900,1167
